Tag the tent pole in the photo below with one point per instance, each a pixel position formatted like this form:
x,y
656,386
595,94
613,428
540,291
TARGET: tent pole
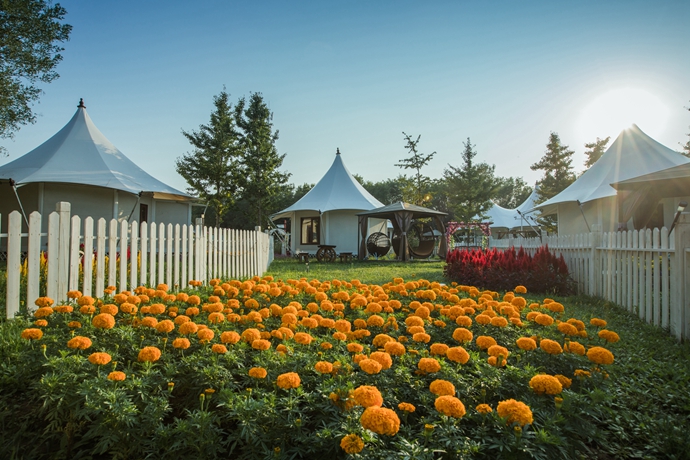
x,y
135,206
583,215
13,184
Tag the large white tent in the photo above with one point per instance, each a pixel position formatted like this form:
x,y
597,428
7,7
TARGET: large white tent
x,y
590,202
80,165
327,214
505,220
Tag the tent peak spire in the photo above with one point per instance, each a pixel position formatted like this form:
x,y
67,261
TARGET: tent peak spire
x,y
337,150
81,103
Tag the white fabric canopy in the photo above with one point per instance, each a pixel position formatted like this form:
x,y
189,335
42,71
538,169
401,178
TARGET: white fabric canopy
x,y
80,154
511,218
336,190
632,154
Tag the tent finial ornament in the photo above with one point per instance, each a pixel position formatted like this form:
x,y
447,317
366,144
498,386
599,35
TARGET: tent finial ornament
x,y
337,151
81,103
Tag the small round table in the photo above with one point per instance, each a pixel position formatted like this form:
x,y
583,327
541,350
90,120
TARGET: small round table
x,y
326,253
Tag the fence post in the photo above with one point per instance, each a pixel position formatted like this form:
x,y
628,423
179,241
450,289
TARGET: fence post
x,y
595,260
14,262
63,209
34,261
680,305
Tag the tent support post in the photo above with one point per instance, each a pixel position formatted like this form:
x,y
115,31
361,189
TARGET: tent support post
x,y
13,184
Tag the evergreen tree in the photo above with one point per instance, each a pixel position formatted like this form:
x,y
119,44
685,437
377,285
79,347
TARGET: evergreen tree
x,y
512,192
470,187
260,178
595,150
418,191
30,31
558,174
211,169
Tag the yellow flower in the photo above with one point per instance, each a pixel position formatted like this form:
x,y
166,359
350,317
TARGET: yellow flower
x,y
367,396
600,355
442,387
450,406
79,342
99,358
545,384
515,412
288,380
32,334
380,420
117,376
149,354
352,444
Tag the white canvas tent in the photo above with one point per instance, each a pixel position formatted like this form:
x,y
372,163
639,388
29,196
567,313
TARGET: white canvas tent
x,y
79,165
517,219
591,200
326,215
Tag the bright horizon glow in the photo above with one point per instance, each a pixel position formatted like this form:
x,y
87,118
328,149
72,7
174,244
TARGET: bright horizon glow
x,y
619,109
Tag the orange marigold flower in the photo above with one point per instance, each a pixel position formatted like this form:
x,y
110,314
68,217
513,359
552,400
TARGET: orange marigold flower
x,y
188,328
383,358
565,381
551,346
380,420
117,376
545,384
354,347
576,347
323,367
149,321
483,319
555,307
165,326
218,348
370,366
429,365
230,337
609,336
567,329
499,321
526,343
520,290
352,444
484,409
43,312
600,355
261,344
406,407
394,348
582,373
485,341
32,334
441,387
99,359
497,350
543,319
438,349
205,334
597,322
41,323
149,354
450,406
181,343
367,396
497,361
258,372
421,337
303,338
515,412
462,335
458,355
103,321
288,380
79,342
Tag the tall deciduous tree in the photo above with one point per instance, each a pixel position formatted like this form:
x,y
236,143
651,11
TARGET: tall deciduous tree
x,y
595,150
260,176
30,33
419,192
470,187
558,174
512,192
212,168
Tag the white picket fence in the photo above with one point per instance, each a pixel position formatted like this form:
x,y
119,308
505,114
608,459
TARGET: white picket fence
x,y
647,271
136,254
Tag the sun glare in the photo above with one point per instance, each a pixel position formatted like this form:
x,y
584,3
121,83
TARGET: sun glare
x,y
610,113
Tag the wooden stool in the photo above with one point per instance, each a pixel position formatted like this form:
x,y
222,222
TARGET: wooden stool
x,y
303,257
345,256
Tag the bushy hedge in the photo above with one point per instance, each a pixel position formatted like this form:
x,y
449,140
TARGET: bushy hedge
x,y
503,269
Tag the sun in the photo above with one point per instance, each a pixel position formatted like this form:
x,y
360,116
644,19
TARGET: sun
x,y
615,110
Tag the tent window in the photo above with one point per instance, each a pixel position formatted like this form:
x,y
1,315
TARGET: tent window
x,y
310,230
143,213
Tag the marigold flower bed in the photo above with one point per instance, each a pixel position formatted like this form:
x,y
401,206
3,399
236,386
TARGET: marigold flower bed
x,y
269,368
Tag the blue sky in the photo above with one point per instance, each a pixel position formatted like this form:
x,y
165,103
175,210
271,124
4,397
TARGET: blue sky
x,y
355,75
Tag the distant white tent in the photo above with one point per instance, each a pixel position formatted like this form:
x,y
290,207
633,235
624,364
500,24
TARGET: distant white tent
x,y
517,219
591,200
326,215
80,165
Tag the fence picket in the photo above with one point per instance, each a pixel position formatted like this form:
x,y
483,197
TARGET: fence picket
x,y
53,253
153,280
144,253
656,302
169,258
14,262
123,255
100,257
648,275
134,253
87,258
33,261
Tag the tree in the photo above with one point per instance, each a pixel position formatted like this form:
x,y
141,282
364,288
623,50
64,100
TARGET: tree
x,y
558,174
512,192
30,31
419,192
470,187
212,169
595,150
686,147
260,177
